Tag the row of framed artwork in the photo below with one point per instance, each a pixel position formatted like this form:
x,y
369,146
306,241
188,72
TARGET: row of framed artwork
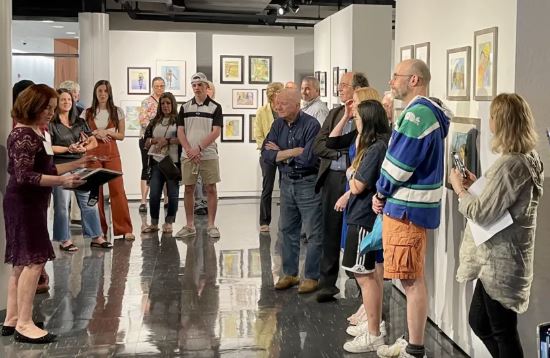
x,y
172,71
459,66
259,69
337,74
233,128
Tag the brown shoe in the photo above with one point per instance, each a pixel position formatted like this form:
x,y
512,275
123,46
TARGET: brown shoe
x,y
308,286
286,282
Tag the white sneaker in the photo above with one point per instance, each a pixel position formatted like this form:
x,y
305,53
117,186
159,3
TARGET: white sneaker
x,y
364,343
394,350
363,328
404,354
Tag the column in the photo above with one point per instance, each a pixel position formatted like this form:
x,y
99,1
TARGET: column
x,y
94,52
5,127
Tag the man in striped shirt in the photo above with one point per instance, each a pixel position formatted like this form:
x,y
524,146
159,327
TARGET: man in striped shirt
x,y
409,195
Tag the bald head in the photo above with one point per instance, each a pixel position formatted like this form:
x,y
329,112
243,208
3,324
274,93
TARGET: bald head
x,y
418,68
410,79
287,104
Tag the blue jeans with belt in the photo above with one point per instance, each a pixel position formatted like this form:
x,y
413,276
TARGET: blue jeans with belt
x,y
300,205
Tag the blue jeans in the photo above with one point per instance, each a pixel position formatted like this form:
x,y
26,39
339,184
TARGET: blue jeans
x,y
301,207
91,227
156,184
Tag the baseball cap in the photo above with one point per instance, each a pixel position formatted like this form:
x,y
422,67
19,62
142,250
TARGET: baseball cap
x,y
199,77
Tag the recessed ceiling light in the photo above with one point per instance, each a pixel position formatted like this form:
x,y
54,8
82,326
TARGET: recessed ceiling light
x,y
47,21
58,26
76,37
70,33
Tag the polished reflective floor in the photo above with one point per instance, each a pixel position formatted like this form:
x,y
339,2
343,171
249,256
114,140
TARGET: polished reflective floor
x,y
164,297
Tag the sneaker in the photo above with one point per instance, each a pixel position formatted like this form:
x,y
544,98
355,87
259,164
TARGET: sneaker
x,y
363,327
364,343
213,232
286,282
143,208
308,286
326,294
404,354
186,231
393,351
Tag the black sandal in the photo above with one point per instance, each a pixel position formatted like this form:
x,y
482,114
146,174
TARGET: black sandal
x,y
103,245
68,248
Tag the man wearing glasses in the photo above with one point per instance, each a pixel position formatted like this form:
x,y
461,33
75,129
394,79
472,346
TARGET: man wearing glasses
x,y
409,195
331,180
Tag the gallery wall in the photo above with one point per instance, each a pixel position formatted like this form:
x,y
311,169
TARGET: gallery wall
x,y
239,165
447,25
144,49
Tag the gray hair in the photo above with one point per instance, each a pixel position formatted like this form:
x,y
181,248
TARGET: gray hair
x,y
359,80
70,86
420,69
314,82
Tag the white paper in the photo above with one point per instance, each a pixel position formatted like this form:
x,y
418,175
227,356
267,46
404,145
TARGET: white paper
x,y
480,233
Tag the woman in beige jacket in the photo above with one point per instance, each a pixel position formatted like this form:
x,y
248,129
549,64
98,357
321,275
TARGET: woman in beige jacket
x,y
503,265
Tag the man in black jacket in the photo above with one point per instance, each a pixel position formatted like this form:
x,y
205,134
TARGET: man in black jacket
x,y
331,180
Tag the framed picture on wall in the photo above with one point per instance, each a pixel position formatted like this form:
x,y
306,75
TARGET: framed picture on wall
x,y
335,81
173,72
341,73
485,64
259,69
406,53
463,138
458,73
139,80
264,96
231,69
131,110
422,52
233,128
245,98
317,74
251,128
323,84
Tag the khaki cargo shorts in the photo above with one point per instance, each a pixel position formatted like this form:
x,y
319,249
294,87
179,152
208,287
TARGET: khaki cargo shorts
x,y
208,169
404,248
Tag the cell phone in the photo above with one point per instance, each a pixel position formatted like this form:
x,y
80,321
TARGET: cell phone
x,y
459,164
543,340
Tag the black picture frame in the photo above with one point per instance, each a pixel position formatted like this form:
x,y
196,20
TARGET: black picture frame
x,y
335,80
223,77
251,126
146,80
252,79
322,83
239,138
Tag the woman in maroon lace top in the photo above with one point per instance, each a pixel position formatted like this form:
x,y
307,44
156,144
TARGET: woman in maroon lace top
x,y
32,174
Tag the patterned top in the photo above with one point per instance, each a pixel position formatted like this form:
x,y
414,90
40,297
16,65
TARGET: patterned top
x,y
148,111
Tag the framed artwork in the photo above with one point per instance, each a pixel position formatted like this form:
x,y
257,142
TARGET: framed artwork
x,y
323,84
422,52
233,128
231,69
264,96
173,72
335,81
251,128
231,263
131,110
259,69
139,80
245,98
341,72
317,75
463,138
406,53
458,73
254,263
485,64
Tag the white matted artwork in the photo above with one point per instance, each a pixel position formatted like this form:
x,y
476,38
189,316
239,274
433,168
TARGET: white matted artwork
x,y
245,98
173,72
458,74
422,52
233,128
139,80
463,138
131,109
406,53
485,64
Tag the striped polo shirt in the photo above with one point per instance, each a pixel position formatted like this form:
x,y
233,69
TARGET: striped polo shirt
x,y
198,121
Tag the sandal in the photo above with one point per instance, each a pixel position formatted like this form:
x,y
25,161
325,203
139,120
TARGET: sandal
x,y
68,248
103,245
149,229
167,227
129,237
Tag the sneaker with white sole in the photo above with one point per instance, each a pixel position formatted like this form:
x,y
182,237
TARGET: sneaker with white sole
x,y
185,232
213,232
404,354
394,350
363,328
364,343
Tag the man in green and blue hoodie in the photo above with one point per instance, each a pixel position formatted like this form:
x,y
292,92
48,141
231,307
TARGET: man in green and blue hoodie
x,y
409,195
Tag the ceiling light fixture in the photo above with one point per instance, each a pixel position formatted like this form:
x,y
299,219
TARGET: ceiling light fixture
x,y
47,21
58,26
281,11
287,6
70,33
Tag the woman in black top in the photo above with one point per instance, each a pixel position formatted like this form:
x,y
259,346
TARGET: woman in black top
x,y
70,140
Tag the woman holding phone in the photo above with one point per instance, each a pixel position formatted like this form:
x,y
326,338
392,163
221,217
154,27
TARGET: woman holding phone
x,y
71,139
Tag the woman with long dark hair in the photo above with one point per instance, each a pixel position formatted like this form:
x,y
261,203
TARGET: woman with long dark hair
x,y
107,124
162,140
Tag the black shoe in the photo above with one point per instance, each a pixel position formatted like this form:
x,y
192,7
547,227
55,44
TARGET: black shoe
x,y
48,338
9,330
326,294
143,208
201,211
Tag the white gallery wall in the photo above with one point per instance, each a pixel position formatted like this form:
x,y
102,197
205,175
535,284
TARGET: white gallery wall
x,y
239,166
144,49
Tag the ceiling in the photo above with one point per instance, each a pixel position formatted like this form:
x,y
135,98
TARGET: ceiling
x,y
295,13
37,36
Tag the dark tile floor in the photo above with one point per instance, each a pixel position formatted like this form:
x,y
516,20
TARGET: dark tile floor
x,y
163,297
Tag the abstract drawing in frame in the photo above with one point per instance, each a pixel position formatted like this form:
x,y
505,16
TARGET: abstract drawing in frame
x,y
233,128
463,138
245,98
231,69
174,75
251,128
323,84
335,80
458,73
406,53
139,80
131,110
259,69
485,64
422,52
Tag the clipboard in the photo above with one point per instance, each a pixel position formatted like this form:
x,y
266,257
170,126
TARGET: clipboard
x,y
94,177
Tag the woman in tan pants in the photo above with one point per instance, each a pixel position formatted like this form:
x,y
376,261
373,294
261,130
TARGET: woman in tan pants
x,y
107,123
